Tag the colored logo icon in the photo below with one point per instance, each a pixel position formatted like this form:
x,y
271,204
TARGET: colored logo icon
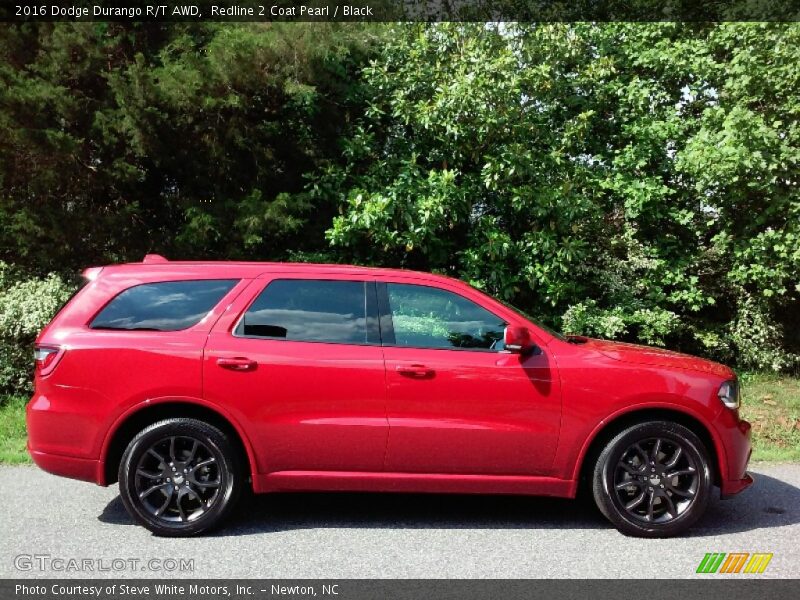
x,y
734,562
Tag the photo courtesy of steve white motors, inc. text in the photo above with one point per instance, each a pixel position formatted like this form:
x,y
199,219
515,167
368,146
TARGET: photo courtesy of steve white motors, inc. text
x,y
154,11
171,589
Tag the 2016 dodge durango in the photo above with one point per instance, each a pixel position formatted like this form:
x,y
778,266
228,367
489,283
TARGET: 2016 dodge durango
x,y
188,381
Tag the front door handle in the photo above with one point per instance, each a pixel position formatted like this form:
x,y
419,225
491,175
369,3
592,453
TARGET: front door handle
x,y
238,363
415,370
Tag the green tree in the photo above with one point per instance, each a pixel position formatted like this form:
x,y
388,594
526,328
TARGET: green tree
x,y
187,139
635,181
628,180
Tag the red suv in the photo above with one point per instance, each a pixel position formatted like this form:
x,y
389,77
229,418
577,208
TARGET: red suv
x,y
187,381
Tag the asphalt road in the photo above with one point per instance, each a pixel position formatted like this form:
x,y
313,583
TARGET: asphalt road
x,y
371,535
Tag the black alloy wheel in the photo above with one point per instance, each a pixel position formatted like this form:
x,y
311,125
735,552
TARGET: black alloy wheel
x,y
653,479
179,477
656,480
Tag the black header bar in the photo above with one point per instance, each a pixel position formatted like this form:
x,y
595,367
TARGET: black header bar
x,y
399,10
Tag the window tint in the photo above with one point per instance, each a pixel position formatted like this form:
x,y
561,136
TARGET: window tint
x,y
309,310
426,317
165,306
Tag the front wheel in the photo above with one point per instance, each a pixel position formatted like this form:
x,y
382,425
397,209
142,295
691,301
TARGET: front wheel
x,y
179,477
653,479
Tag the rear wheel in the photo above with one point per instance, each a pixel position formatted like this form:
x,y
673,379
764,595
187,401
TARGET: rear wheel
x,y
653,479
180,477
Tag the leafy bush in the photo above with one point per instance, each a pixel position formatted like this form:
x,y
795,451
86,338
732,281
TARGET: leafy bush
x,y
625,180
26,306
636,181
758,339
649,325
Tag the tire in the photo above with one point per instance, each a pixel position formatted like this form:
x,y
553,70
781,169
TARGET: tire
x,y
180,477
653,480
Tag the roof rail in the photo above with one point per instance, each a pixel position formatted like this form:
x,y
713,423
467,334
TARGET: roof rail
x,y
150,259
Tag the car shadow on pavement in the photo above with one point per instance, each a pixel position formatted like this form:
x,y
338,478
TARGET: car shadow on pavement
x,y
769,503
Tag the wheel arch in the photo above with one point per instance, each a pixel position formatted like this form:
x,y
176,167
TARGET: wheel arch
x,y
132,422
607,430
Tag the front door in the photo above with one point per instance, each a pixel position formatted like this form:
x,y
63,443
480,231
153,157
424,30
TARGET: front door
x,y
303,367
457,403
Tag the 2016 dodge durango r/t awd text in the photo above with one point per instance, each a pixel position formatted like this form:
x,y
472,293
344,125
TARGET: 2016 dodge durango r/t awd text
x,y
187,381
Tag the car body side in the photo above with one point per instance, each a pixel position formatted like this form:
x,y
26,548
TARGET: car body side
x,y
78,416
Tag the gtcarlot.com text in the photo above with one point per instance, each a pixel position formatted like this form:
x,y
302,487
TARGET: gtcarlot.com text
x,y
63,564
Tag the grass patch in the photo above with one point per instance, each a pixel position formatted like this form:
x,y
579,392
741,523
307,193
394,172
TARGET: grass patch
x,y
12,431
770,402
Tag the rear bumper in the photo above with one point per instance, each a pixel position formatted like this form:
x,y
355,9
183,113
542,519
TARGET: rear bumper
x,y
67,466
62,434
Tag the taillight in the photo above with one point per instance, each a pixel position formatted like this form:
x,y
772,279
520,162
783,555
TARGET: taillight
x,y
46,358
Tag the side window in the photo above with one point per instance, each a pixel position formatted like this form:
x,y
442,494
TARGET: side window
x,y
164,306
427,317
308,311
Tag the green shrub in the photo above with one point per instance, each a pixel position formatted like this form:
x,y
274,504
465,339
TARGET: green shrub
x,y
758,338
627,180
26,306
648,325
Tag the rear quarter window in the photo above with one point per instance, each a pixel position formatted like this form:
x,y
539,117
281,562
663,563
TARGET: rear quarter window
x,y
163,306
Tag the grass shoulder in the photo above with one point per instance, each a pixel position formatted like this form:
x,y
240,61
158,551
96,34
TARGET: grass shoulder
x,y
12,431
772,404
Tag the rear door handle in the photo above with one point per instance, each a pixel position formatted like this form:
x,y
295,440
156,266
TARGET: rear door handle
x,y
238,363
415,370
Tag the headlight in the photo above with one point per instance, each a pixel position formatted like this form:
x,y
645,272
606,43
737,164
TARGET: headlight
x,y
729,394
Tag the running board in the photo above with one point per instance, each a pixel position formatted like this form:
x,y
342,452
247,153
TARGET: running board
x,y
354,481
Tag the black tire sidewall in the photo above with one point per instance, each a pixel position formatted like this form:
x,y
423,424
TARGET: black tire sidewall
x,y
603,483
218,444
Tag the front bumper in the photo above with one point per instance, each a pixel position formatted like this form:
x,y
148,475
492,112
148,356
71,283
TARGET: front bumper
x,y
734,487
737,450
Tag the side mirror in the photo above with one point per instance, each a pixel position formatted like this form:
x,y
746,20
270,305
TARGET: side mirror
x,y
518,340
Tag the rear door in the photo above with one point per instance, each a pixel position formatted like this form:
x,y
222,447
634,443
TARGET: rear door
x,y
299,361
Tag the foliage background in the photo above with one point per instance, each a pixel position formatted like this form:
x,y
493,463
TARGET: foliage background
x,y
631,181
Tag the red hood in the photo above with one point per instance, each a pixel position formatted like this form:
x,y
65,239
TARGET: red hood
x,y
647,355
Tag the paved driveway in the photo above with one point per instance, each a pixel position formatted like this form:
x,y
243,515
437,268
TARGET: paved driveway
x,y
371,535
